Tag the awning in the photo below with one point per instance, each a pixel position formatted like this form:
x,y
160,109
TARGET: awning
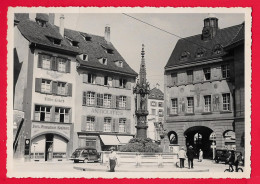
x,y
124,139
109,139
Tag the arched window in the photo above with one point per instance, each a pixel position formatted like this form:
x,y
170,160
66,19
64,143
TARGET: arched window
x,y
197,138
200,53
230,139
212,136
173,138
217,49
184,56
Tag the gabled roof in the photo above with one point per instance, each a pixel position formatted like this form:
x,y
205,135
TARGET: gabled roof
x,y
224,37
156,94
95,48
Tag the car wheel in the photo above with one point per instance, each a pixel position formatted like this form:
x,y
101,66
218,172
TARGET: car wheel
x,y
85,160
76,161
217,161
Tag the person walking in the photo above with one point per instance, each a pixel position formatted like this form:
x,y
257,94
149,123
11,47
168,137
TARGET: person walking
x,y
200,155
190,155
182,156
238,160
112,160
231,160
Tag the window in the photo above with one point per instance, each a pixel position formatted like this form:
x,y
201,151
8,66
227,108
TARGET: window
x,y
46,62
206,74
85,57
110,51
174,106
207,103
160,104
153,103
122,102
103,61
90,123
174,78
46,86
190,76
61,65
160,112
107,124
62,115
122,83
153,112
107,100
190,107
184,56
122,122
91,78
106,80
225,71
90,98
120,64
217,49
226,101
200,53
99,100
61,88
42,113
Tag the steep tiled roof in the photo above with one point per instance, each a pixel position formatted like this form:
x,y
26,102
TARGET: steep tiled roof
x,y
156,93
95,48
192,44
240,35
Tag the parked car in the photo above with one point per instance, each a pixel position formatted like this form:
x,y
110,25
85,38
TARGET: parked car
x,y
222,155
85,155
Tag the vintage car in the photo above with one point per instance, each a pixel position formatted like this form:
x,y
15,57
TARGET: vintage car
x,y
85,155
222,155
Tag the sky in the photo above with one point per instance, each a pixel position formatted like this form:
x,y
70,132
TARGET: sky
x,y
128,35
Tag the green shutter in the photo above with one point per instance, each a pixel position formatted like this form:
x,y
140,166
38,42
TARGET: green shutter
x,y
54,87
69,89
85,78
38,83
68,66
128,103
39,60
83,123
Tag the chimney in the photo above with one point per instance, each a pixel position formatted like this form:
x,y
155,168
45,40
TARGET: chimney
x,y
210,27
51,18
62,25
107,33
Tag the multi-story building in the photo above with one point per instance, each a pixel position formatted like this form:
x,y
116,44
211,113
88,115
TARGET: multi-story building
x,y
204,83
73,88
156,113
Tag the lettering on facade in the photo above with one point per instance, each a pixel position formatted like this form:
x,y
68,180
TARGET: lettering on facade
x,y
107,112
49,99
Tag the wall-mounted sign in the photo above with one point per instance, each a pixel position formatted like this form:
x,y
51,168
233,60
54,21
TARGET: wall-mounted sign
x,y
60,129
107,112
50,99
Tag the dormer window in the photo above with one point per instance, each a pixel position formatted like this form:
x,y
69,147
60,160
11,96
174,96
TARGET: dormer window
x,y
200,53
85,57
119,63
103,61
54,40
42,23
184,56
110,51
217,49
72,42
86,36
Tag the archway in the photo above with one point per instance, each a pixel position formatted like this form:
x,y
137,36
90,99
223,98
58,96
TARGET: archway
x,y
199,138
173,138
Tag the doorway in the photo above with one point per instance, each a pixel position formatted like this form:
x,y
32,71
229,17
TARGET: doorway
x,y
49,147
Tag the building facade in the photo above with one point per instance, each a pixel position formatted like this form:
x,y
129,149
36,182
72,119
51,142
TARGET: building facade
x,y
74,90
202,93
156,113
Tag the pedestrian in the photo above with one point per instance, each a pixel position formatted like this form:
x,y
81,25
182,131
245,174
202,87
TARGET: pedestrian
x,y
200,155
190,155
112,160
182,156
238,160
231,160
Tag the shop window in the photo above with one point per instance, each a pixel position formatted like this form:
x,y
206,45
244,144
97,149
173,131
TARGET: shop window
x,y
207,103
121,102
107,124
225,71
190,76
207,74
122,83
90,98
190,106
122,123
107,100
226,101
46,86
91,78
90,123
174,109
61,88
62,115
42,113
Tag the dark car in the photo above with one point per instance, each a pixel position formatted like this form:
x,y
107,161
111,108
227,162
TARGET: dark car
x,y
222,155
85,155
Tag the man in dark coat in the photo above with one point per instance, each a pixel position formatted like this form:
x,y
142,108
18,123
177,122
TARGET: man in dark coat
x,y
190,155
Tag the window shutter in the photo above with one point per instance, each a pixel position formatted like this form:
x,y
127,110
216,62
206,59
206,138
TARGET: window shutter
x,y
117,82
40,61
99,124
98,80
116,124
128,126
69,89
114,101
70,116
102,80
117,102
54,87
85,78
128,103
68,66
38,83
221,102
54,63
114,82
113,125
128,85
83,123
168,111
84,96
95,95
53,114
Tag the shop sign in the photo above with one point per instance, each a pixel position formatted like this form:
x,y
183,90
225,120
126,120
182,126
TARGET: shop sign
x,y
60,129
50,99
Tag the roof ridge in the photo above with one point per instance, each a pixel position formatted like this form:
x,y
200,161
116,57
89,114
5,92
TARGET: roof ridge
x,y
242,25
